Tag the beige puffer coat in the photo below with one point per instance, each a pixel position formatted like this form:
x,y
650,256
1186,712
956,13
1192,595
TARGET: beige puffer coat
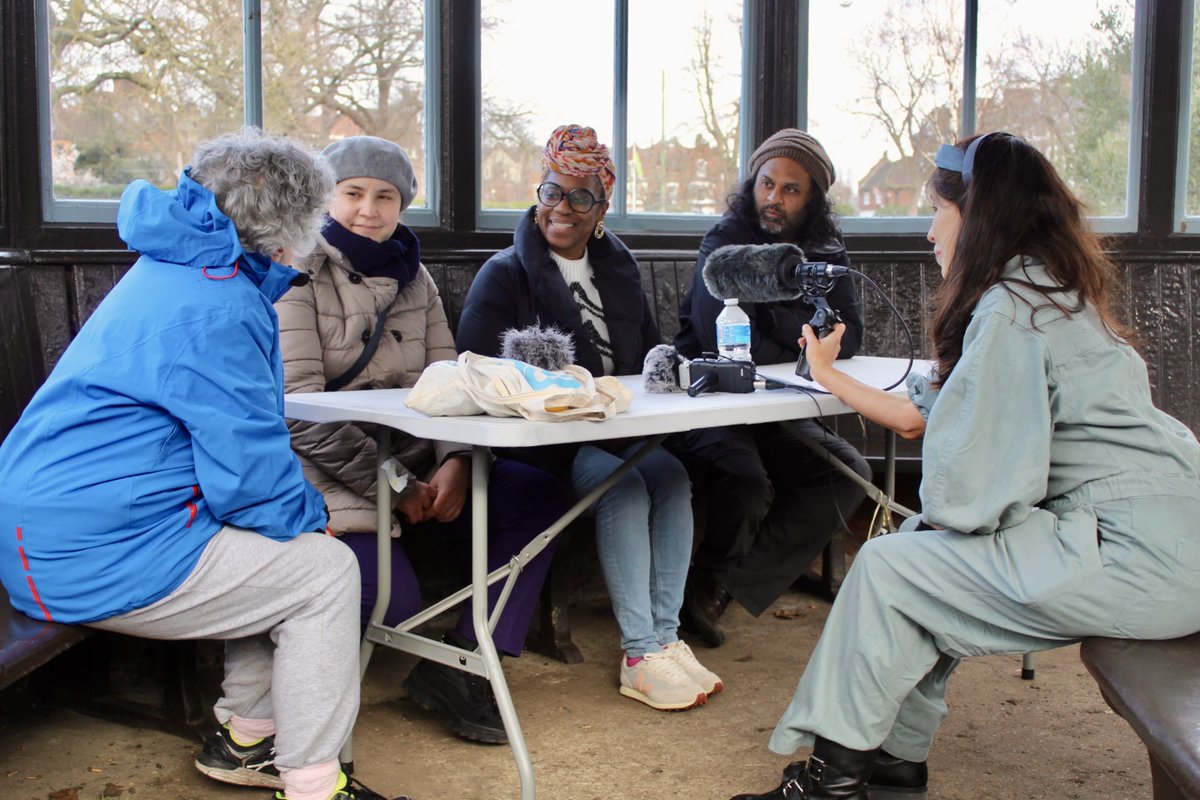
x,y
323,327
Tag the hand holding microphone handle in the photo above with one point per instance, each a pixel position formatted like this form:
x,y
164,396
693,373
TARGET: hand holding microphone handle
x,y
823,319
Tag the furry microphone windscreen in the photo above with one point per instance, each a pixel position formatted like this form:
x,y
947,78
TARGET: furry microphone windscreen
x,y
660,370
545,348
752,272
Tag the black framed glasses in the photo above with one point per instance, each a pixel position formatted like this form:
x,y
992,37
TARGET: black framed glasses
x,y
581,200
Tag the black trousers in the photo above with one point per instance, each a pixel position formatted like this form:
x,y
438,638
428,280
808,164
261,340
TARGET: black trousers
x,y
771,503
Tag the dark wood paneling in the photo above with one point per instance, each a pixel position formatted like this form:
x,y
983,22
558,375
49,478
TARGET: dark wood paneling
x,y
42,306
20,364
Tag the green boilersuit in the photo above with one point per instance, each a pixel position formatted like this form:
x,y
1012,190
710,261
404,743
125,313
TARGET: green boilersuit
x,y
1065,505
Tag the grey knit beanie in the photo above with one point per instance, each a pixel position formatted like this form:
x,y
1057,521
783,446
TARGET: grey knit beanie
x,y
800,147
372,157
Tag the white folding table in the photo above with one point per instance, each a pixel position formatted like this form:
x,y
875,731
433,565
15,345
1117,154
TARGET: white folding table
x,y
651,416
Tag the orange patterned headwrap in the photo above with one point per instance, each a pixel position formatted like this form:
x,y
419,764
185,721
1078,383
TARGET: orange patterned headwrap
x,y
574,150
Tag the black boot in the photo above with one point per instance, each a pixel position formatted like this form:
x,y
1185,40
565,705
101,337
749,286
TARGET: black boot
x,y
704,601
464,700
833,773
790,789
896,779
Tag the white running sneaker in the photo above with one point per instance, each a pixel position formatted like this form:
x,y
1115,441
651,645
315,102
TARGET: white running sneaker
x,y
705,678
659,682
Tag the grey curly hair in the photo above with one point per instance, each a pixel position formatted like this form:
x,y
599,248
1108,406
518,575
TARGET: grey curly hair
x,y
275,190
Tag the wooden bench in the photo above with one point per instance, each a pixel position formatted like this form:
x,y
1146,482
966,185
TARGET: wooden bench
x,y
27,643
165,685
1155,686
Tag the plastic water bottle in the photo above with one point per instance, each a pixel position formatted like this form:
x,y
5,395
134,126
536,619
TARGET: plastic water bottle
x,y
733,332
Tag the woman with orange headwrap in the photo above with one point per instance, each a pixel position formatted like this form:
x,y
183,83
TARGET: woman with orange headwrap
x,y
565,271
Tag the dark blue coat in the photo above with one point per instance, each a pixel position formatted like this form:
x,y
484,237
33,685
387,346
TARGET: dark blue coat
x,y
522,286
774,327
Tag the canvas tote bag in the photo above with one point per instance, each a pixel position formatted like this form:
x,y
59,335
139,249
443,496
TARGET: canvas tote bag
x,y
505,387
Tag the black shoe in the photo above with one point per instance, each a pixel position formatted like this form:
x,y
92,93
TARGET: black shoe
x,y
790,789
349,788
894,778
833,772
465,701
224,760
704,601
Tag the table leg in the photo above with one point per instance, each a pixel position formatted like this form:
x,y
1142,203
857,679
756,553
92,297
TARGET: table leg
x,y
383,544
883,498
480,469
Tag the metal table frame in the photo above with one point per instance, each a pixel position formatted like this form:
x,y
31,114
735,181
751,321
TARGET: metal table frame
x,y
653,416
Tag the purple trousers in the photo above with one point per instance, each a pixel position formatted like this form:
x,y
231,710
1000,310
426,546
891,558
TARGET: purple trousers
x,y
522,502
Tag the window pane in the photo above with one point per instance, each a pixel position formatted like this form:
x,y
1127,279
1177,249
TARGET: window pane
x,y
135,85
1060,75
884,89
337,68
540,69
684,105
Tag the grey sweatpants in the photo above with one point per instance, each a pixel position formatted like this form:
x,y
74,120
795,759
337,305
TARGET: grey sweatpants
x,y
289,614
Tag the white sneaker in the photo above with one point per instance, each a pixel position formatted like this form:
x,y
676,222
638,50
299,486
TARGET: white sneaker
x,y
659,682
705,678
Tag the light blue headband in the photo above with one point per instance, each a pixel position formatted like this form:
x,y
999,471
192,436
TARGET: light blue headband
x,y
950,157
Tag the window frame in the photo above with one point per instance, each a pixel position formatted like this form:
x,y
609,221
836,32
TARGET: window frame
x,y
1184,222
618,218
1125,223
72,210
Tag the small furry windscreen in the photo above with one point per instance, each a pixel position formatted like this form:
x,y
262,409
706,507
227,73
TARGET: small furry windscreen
x,y
660,370
546,348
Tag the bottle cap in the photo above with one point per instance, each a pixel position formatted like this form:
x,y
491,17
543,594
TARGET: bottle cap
x,y
731,301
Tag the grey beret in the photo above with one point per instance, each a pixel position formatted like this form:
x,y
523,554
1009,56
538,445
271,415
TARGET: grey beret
x,y
372,157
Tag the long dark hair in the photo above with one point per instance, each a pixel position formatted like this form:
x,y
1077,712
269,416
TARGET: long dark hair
x,y
818,227
1016,205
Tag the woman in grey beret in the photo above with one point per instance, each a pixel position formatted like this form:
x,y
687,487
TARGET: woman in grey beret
x,y
370,295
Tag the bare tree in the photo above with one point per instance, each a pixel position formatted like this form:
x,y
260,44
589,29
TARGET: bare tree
x,y
720,123
912,58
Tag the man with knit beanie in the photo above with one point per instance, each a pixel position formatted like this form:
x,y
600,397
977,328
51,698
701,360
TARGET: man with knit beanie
x,y
771,503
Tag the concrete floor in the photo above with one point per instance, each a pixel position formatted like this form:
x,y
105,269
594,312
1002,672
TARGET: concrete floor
x,y
1006,738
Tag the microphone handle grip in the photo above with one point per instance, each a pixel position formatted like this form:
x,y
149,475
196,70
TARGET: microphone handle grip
x,y
802,368
823,328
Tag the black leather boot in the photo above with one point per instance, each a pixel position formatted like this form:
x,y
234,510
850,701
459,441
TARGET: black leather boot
x,y
704,601
463,700
833,772
896,779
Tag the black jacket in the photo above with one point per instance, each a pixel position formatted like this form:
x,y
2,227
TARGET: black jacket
x,y
521,286
774,327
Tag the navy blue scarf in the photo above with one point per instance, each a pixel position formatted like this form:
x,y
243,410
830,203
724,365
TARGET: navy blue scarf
x,y
398,258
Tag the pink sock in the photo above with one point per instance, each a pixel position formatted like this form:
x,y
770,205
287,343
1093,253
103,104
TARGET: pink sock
x,y
311,783
632,661
249,731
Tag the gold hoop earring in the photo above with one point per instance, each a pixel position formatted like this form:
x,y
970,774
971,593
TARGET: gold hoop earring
x,y
599,234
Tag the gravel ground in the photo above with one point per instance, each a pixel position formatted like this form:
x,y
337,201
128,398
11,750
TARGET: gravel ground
x,y
1052,737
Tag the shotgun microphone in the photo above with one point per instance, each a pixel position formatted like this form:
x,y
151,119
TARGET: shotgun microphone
x,y
764,273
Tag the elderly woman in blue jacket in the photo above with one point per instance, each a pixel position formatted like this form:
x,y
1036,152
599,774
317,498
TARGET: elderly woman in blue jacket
x,y
565,271
151,484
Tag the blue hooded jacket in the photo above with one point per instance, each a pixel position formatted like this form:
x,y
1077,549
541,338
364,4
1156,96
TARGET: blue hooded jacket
x,y
162,422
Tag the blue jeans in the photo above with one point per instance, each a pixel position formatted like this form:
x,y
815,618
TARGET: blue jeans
x,y
644,540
